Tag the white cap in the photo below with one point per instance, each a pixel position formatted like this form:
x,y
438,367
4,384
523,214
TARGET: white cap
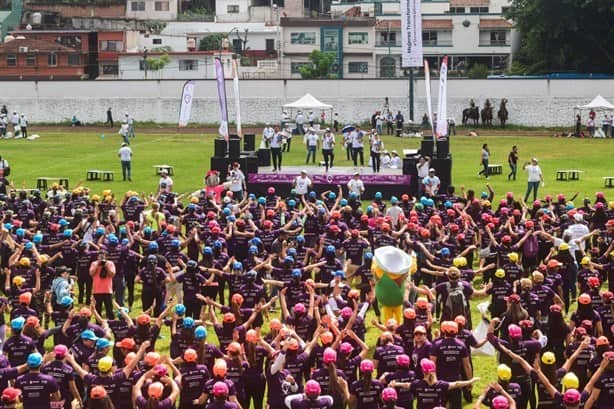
x,y
578,217
431,170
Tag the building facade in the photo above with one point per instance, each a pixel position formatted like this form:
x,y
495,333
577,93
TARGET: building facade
x,y
188,65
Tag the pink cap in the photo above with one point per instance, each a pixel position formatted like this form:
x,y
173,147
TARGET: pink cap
x,y
389,394
312,388
329,356
346,348
346,312
366,366
427,365
571,397
60,351
514,331
220,389
403,360
500,402
300,308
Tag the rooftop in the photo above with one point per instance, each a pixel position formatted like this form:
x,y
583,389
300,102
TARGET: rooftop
x,y
34,46
494,23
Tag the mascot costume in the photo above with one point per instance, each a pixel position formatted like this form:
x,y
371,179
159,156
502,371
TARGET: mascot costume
x,y
391,268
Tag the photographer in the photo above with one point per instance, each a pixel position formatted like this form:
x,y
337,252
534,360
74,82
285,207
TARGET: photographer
x,y
102,272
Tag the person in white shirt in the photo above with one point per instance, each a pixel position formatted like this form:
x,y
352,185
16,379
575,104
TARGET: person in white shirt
x,y
165,185
347,142
311,118
328,148
130,122
355,185
423,165
285,118
386,159
300,120
395,161
576,231
23,126
394,211
125,156
236,177
431,183
358,144
3,125
267,133
312,141
302,183
276,142
535,176
377,146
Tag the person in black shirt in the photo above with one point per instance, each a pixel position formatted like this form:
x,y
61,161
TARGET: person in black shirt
x,y
512,160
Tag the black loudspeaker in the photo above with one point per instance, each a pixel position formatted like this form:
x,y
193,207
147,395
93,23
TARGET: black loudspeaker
x,y
249,164
219,147
426,147
249,142
443,148
409,166
443,170
264,157
234,148
221,165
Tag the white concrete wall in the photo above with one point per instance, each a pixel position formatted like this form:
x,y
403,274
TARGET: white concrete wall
x,y
531,102
150,12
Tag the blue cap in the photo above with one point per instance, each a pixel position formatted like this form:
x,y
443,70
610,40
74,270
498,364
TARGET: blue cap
x,y
8,226
66,301
200,332
122,230
122,309
188,322
447,204
102,343
147,230
445,251
378,195
67,233
429,202
332,196
153,246
193,263
231,218
330,248
89,335
18,323
20,232
291,252
207,250
252,274
63,222
99,231
368,255
37,239
393,199
312,194
35,360
291,203
261,200
297,272
289,259
353,195
179,309
255,241
29,245
237,265
343,202
251,196
484,195
125,242
113,240
175,243
253,250
300,238
340,273
217,244
226,211
369,209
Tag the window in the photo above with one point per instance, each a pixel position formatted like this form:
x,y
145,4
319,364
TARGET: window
x,y
31,60
161,6
388,37
11,60
157,41
110,69
143,65
232,9
457,10
70,41
429,37
295,67
52,59
111,45
497,37
358,38
137,6
74,59
504,10
303,38
188,65
269,45
478,10
358,67
237,45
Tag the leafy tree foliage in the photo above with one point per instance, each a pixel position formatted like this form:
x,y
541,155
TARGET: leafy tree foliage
x,y
319,67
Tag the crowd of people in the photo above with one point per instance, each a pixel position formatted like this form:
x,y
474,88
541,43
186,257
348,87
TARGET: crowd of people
x,y
270,300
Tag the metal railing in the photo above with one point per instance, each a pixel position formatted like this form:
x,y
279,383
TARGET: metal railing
x,y
494,43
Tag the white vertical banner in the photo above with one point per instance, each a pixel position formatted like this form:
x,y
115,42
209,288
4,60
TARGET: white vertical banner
x,y
427,83
411,33
185,110
235,87
442,106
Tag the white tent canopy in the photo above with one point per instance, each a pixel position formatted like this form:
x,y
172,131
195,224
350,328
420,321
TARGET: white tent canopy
x,y
307,101
599,103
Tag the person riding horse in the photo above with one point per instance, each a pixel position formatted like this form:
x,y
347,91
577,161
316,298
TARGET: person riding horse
x,y
487,113
472,112
502,114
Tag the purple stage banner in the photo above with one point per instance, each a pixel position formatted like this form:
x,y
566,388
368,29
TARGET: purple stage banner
x,y
329,179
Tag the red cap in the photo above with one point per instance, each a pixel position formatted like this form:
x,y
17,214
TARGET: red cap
x,y
552,263
126,343
514,298
10,395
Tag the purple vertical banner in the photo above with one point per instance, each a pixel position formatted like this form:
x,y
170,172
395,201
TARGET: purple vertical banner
x,y
221,92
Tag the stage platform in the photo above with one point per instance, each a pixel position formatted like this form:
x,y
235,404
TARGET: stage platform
x,y
388,181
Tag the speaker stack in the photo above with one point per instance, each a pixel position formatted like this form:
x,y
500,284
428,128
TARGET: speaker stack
x,y
443,148
228,152
443,170
427,146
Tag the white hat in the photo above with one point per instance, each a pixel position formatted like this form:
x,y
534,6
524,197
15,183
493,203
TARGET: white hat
x,y
578,217
431,170
303,171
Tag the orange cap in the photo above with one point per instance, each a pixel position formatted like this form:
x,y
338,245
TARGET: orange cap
x,y
25,298
85,311
155,390
234,347
251,336
152,358
327,337
275,324
190,355
237,299
584,299
32,321
602,341
229,317
143,319
220,368
409,313
98,392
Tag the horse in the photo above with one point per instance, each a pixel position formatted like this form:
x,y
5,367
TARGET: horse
x,y
486,114
502,113
471,113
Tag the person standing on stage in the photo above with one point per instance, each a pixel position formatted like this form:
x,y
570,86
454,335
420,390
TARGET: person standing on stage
x,y
377,146
267,133
312,142
357,136
328,148
276,142
300,121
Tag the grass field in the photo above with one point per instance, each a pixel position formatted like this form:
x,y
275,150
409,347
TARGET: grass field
x,y
71,154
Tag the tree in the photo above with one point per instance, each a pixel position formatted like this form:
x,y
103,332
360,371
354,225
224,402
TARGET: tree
x,y
319,67
564,35
211,42
156,64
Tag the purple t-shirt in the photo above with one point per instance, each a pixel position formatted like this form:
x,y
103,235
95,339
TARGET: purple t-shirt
x,y
450,353
366,398
36,390
606,385
429,396
141,403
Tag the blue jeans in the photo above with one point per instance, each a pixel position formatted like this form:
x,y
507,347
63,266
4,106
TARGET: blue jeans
x,y
531,186
311,152
126,170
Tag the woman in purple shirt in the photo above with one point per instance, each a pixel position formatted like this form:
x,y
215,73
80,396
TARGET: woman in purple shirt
x,y
154,392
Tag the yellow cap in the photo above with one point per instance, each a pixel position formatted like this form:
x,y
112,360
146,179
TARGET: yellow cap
x,y
18,281
504,372
570,381
24,262
460,261
105,364
585,260
500,273
563,246
548,358
513,256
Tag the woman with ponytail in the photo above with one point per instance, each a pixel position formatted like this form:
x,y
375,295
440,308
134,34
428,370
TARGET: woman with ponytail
x,y
365,392
154,392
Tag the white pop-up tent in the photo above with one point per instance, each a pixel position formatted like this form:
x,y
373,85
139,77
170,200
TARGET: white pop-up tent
x,y
307,101
599,103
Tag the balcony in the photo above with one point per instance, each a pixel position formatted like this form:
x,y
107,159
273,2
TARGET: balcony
x,y
494,43
437,43
385,43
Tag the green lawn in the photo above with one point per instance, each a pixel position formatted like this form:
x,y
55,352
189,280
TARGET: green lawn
x,y
72,154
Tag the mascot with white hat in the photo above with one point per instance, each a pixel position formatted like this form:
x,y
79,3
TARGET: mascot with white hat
x,y
391,267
